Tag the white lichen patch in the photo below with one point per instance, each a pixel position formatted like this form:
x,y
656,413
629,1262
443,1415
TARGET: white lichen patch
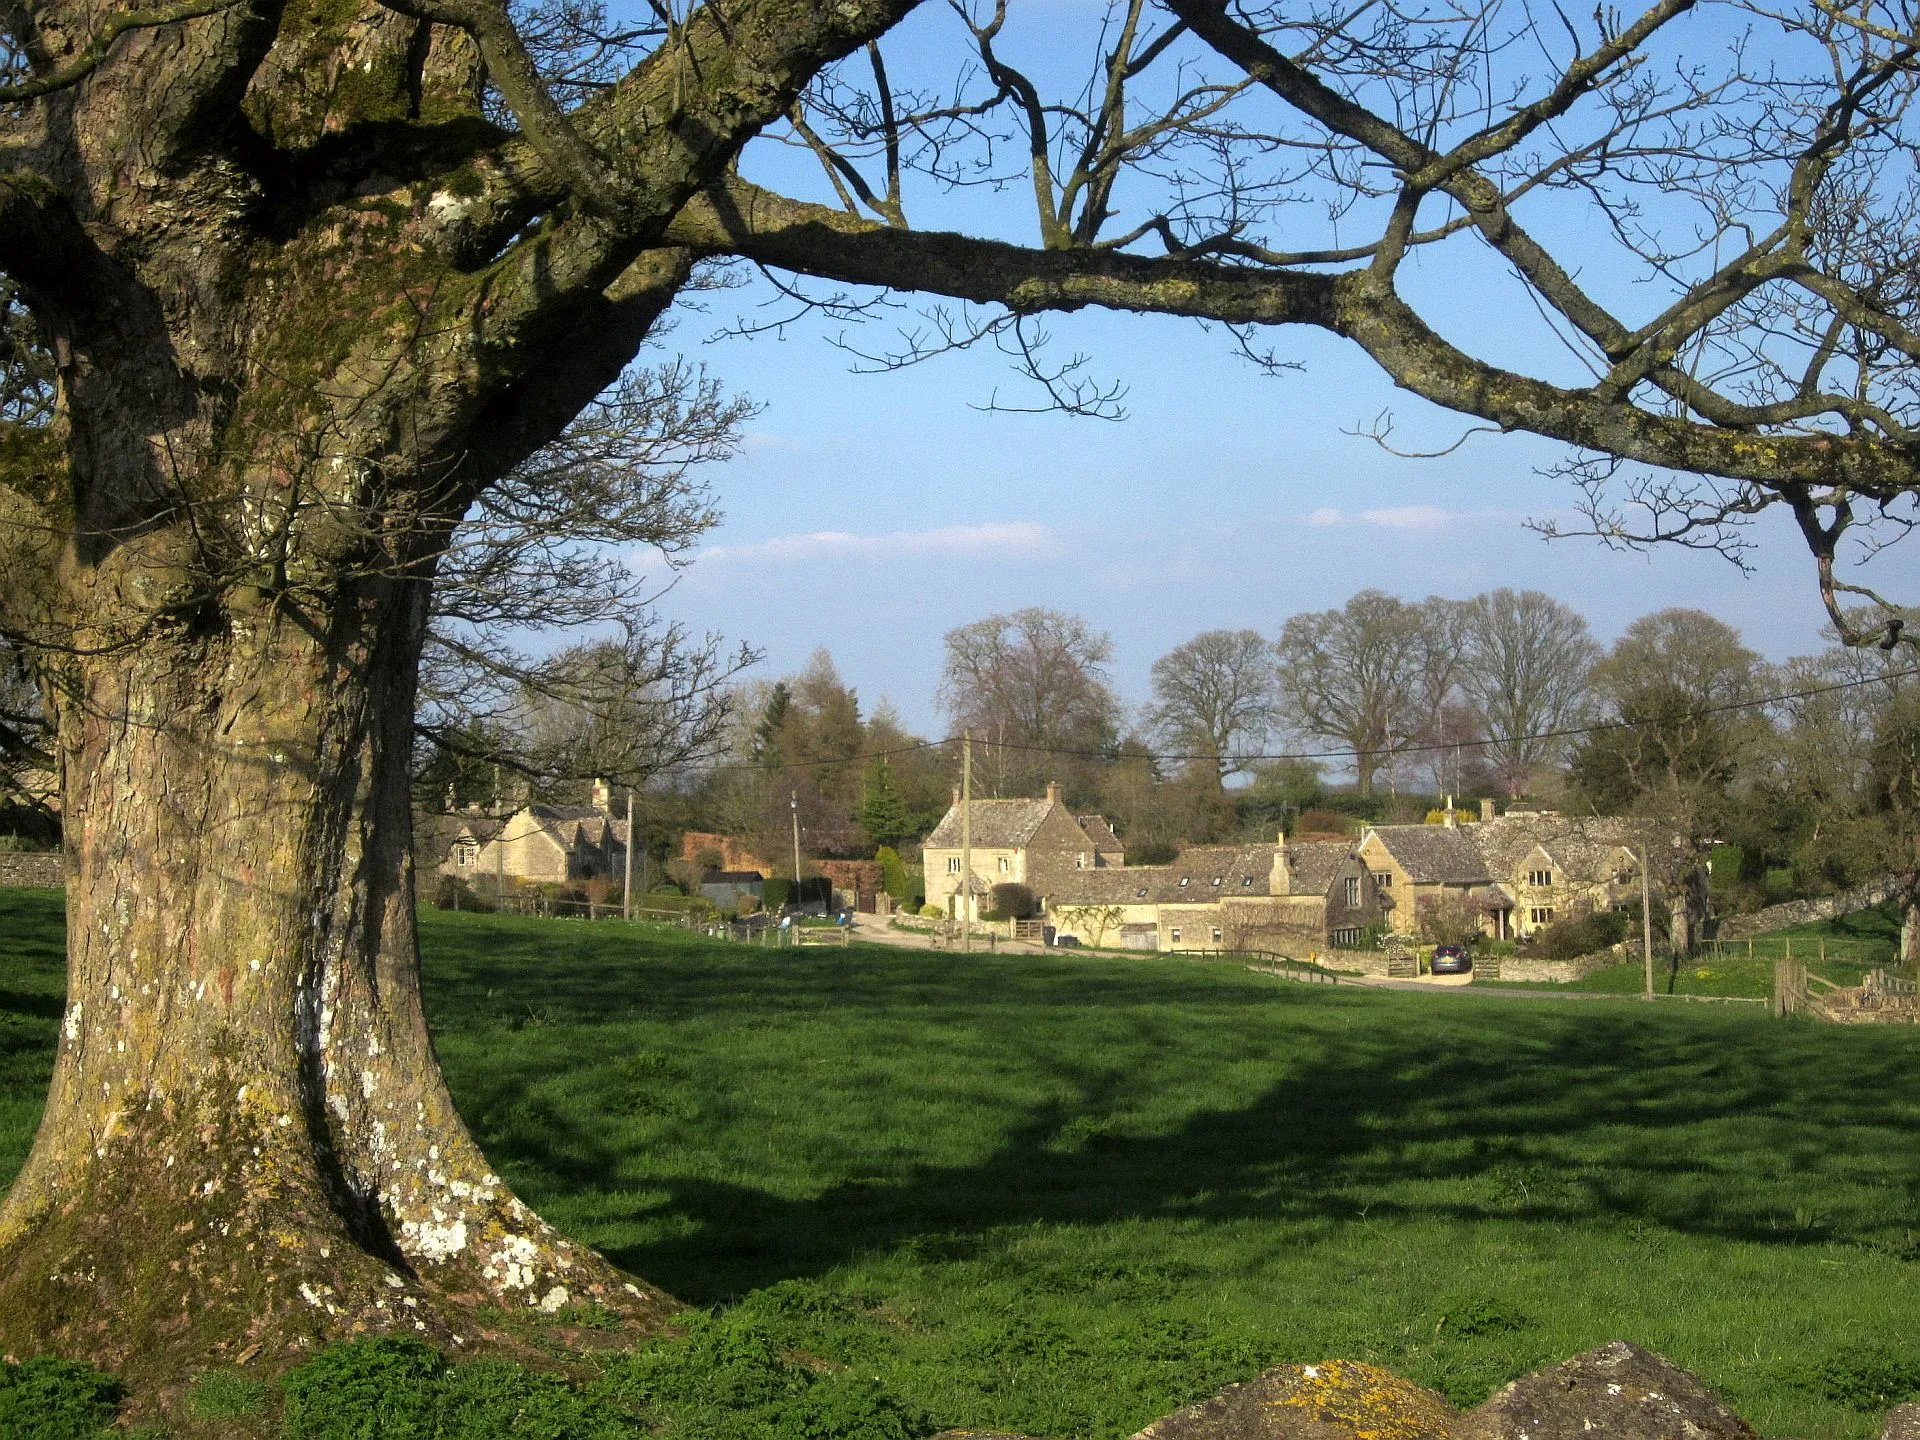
x,y
438,1240
512,1265
551,1302
73,1022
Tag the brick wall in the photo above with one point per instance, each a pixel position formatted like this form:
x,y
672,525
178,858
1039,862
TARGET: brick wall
x,y
32,868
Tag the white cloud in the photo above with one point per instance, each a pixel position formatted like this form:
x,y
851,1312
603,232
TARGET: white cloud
x,y
1395,517
996,539
1409,517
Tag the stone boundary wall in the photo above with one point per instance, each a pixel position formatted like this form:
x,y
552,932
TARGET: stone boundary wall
x,y
1806,912
39,868
1558,972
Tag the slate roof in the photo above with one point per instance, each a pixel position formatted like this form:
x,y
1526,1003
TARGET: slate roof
x,y
1436,854
1200,875
997,824
1315,863
1582,847
1099,832
568,823
732,877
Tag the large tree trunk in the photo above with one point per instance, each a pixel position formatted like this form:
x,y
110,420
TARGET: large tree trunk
x,y
248,1141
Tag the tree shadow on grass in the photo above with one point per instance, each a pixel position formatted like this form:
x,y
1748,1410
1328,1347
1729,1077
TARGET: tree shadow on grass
x,y
1455,1110
1587,1130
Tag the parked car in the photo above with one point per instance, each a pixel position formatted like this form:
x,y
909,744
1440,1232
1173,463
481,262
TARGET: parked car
x,y
1451,960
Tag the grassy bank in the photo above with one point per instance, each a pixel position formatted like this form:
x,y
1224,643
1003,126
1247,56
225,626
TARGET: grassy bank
x,y
1842,950
1064,1195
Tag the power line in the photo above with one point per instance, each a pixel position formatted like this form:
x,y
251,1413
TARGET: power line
x,y
1566,733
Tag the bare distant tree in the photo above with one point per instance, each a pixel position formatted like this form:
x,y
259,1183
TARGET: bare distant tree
x,y
1033,686
1676,685
1527,666
1215,697
1370,676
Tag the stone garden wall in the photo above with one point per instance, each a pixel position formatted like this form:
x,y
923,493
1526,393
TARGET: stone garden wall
x,y
31,868
1806,912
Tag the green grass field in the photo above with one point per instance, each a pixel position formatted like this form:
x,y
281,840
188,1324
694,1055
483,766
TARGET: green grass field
x,y
1065,1195
1841,950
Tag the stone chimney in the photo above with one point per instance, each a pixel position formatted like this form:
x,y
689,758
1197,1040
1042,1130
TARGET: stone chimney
x,y
600,797
1451,822
1053,792
1281,881
956,797
1486,811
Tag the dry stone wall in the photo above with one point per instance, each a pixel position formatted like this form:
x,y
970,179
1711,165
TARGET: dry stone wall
x,y
1807,912
32,868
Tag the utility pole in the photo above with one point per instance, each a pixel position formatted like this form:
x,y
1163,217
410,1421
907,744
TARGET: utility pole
x,y
1646,919
793,803
966,840
626,880
499,847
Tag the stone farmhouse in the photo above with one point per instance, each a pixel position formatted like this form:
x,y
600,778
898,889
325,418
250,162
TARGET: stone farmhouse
x,y
1514,874
1517,872
1284,896
536,844
1036,843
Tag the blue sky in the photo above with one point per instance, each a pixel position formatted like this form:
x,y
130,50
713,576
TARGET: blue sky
x,y
869,514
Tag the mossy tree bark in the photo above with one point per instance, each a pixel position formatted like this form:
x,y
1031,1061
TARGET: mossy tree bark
x,y
285,369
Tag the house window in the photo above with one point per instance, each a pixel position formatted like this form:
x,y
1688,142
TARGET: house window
x,y
1353,892
1080,861
953,865
1216,879
464,851
1216,934
1005,864
1540,879
1141,893
1246,882
1384,879
1183,882
1541,914
1346,938
1176,934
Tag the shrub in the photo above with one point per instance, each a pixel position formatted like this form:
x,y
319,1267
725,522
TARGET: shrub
x,y
385,1388
776,891
391,1388
1011,901
1323,822
931,912
1579,935
51,1399
729,1378
450,892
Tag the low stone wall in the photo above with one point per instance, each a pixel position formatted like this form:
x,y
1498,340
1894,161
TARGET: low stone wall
x,y
32,868
1807,912
1557,972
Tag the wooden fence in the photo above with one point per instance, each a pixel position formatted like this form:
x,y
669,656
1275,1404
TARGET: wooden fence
x,y
1269,962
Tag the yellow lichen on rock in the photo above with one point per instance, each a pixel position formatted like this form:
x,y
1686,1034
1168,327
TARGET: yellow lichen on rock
x,y
1375,1403
1334,1400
